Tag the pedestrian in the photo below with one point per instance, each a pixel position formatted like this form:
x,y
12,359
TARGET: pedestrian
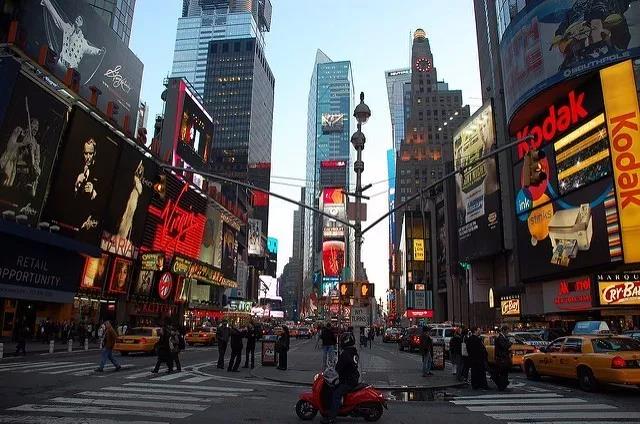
x,y
329,342
455,350
348,375
165,351
252,335
463,368
283,348
108,341
372,334
235,336
222,334
177,345
22,332
502,359
426,349
477,360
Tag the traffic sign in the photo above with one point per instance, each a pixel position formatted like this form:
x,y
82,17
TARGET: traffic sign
x,y
359,317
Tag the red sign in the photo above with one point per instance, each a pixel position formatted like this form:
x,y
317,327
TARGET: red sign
x,y
155,308
333,258
165,285
260,198
573,295
333,164
332,196
420,313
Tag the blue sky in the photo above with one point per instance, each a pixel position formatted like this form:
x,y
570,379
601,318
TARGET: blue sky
x,y
375,35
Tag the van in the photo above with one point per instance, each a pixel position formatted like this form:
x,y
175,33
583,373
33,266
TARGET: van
x,y
442,332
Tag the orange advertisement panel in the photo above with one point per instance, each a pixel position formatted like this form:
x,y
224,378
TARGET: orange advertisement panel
x,y
331,196
623,121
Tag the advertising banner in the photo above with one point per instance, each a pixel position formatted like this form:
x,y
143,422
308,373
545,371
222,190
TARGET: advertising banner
x,y
33,271
332,196
567,295
553,40
333,258
619,289
29,137
418,249
420,299
510,306
131,194
121,271
84,41
623,121
272,245
229,252
83,179
255,237
212,237
95,271
477,188
165,286
332,122
152,261
144,283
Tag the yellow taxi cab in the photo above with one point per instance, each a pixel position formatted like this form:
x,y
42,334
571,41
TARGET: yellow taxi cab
x,y
138,339
591,359
518,349
202,335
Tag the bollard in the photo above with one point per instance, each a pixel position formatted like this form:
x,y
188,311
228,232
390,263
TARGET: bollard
x,y
69,345
86,344
51,343
1,350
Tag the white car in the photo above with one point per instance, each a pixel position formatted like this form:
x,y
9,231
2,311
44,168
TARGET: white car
x,y
444,333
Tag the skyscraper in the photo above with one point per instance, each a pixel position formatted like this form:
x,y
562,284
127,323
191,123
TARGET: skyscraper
x,y
118,14
328,139
397,82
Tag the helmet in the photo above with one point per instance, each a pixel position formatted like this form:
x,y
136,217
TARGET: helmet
x,y
347,340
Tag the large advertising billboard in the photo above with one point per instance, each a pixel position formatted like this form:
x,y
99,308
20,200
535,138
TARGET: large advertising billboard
x,y
211,248
552,40
83,179
332,122
29,138
131,194
229,252
255,237
477,188
333,258
84,41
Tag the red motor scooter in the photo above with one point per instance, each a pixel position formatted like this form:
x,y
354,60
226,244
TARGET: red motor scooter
x,y
363,401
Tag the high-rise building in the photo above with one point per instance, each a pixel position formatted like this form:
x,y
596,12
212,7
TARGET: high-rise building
x,y
328,140
205,20
398,80
118,14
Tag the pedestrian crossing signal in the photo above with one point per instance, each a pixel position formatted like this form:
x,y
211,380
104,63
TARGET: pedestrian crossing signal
x,y
366,290
346,289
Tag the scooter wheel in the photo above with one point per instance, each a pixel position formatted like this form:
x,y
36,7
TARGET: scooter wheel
x,y
305,410
374,412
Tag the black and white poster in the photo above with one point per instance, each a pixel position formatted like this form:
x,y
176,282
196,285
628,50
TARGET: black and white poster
x,y
229,252
29,138
83,180
84,41
130,197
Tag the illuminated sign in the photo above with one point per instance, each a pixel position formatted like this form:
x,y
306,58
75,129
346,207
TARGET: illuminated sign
x,y
333,232
332,196
420,313
621,105
396,73
567,295
272,245
165,285
120,276
333,258
619,288
94,273
492,301
152,261
200,271
418,250
239,306
510,305
332,122
333,164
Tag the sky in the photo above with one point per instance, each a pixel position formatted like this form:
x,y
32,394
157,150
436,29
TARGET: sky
x,y
375,35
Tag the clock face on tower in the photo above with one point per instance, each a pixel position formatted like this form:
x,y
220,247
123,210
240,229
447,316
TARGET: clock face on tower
x,y
423,64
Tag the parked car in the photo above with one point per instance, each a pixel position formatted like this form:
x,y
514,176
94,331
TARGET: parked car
x,y
591,359
444,333
203,335
303,333
410,339
529,338
517,350
138,339
392,335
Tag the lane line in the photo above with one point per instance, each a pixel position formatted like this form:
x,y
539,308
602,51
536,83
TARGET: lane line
x,y
174,376
81,410
542,401
187,386
69,368
135,403
135,390
107,369
512,396
140,374
143,396
20,364
566,415
506,408
45,419
198,379
43,366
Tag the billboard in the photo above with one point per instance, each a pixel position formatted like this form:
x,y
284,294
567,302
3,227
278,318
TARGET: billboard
x,y
622,288
29,138
255,237
121,271
333,258
418,250
229,252
272,245
553,40
571,294
144,283
95,271
332,122
82,40
333,196
83,179
210,250
131,194
477,188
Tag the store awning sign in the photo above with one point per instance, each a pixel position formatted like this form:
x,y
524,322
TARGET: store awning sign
x,y
619,289
152,261
200,271
510,306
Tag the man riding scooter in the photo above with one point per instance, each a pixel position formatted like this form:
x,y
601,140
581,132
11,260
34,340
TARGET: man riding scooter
x,y
347,369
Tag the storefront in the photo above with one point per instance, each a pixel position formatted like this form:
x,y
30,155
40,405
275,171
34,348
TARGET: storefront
x,y
619,297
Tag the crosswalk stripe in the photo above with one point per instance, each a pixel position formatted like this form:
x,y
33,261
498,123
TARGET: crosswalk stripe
x,y
73,409
187,386
134,403
44,419
173,376
20,364
108,368
506,408
140,374
198,379
34,367
566,415
512,396
135,390
69,368
542,401
143,396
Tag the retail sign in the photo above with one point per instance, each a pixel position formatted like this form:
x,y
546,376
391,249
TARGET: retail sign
x,y
165,285
622,288
420,299
567,295
152,261
418,249
180,265
492,302
359,317
240,306
332,164
420,313
155,308
510,305
623,119
200,271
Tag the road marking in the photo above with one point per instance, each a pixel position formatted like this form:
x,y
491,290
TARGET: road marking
x,y
92,370
198,379
186,386
22,363
34,366
109,395
512,396
135,390
82,410
69,368
542,401
174,376
44,419
566,415
505,408
140,374
134,403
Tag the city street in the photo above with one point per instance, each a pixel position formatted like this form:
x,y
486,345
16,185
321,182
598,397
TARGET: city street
x,y
63,388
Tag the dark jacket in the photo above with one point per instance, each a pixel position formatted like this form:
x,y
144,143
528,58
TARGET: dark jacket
x,y
236,339
327,337
164,349
283,342
503,355
426,344
347,366
252,334
455,345
222,333
477,351
110,338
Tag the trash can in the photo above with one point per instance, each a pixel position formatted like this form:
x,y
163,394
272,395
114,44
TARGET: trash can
x,y
269,350
438,353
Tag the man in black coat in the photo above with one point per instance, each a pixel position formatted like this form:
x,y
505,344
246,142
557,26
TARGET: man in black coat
x,y
349,376
283,348
222,336
503,359
455,350
478,360
253,334
164,350
426,349
235,335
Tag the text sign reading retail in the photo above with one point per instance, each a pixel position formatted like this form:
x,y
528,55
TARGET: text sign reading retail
x,y
359,317
621,288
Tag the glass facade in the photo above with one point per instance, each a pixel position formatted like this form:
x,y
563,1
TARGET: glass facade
x,y
118,14
396,92
506,10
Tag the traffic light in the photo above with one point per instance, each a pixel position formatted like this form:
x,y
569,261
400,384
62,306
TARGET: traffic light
x,y
346,290
160,186
532,168
366,290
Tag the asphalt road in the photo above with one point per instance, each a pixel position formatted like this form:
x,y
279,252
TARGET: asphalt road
x,y
62,388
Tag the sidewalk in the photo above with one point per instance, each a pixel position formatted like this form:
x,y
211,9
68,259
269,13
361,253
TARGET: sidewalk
x,y
37,347
383,366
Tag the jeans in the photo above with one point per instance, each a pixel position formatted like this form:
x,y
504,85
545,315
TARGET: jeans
x,y
336,398
325,355
176,360
463,368
426,363
107,354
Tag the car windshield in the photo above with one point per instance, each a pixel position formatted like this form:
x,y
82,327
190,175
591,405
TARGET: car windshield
x,y
527,337
615,344
140,332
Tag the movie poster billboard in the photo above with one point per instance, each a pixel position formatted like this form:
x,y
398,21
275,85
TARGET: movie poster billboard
x,y
477,187
83,179
552,40
121,270
95,272
144,283
212,238
29,138
332,122
130,197
82,40
229,252
255,237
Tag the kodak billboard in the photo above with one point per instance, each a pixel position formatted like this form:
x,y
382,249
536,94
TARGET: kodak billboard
x,y
623,122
